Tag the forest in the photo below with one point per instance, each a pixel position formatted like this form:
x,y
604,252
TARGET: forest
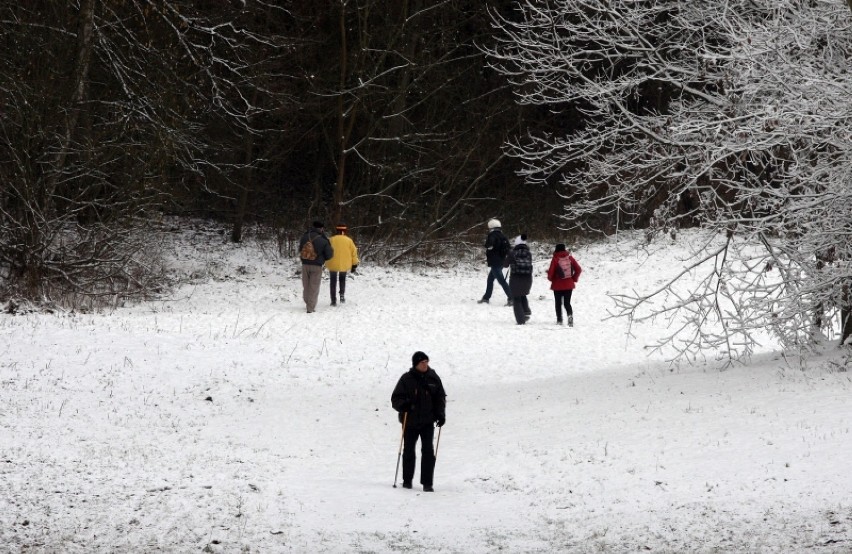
x,y
415,121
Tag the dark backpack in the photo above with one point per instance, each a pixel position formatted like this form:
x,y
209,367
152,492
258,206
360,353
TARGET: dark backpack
x,y
308,252
503,246
523,261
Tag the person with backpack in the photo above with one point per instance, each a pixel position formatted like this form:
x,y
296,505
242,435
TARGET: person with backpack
x,y
314,250
496,250
345,259
520,278
420,399
563,273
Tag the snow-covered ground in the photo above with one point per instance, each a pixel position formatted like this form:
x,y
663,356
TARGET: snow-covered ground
x,y
226,419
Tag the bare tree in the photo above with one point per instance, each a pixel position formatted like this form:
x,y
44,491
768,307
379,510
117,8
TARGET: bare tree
x,y
110,108
408,126
733,116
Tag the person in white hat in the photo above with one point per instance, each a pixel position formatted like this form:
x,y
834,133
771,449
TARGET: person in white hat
x,y
496,249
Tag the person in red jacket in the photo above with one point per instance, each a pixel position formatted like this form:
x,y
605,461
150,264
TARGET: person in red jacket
x,y
563,273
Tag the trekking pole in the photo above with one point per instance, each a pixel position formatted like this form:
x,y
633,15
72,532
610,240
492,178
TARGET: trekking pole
x,y
438,443
398,456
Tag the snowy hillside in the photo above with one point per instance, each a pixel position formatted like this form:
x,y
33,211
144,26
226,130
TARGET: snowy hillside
x,y
226,419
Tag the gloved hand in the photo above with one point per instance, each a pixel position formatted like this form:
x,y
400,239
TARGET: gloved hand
x,y
441,421
404,407
354,267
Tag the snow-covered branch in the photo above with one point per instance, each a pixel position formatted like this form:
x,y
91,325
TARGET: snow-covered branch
x,y
733,116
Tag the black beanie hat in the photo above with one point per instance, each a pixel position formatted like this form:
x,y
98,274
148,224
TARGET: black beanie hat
x,y
560,247
319,224
417,358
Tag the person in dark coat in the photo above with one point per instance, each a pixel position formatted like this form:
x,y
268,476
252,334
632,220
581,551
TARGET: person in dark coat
x,y
312,269
563,273
420,399
520,278
496,249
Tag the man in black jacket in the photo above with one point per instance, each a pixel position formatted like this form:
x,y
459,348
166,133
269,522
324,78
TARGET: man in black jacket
x,y
420,399
312,267
496,249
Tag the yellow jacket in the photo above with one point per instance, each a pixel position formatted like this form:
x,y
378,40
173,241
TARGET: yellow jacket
x,y
345,254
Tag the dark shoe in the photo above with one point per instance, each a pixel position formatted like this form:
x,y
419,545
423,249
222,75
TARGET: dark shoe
x,y
333,303
406,484
482,301
559,322
509,302
570,321
526,318
428,488
342,300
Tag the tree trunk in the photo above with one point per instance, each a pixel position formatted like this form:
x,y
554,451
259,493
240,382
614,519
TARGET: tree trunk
x,y
248,171
85,39
242,203
345,123
846,311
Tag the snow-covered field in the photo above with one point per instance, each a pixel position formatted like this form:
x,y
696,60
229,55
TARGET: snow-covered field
x,y
226,419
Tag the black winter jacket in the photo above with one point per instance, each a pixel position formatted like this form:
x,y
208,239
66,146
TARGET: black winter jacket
x,y
519,285
493,256
422,396
321,244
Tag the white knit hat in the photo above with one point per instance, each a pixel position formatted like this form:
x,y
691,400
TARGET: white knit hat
x,y
494,223
520,240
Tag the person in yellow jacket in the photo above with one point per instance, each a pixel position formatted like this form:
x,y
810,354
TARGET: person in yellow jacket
x,y
345,259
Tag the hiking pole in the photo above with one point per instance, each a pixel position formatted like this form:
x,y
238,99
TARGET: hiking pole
x,y
398,456
438,443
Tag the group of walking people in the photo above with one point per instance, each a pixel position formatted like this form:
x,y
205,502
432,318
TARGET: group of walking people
x,y
419,396
563,274
338,253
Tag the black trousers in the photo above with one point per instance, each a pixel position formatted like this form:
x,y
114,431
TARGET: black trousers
x,y
563,297
521,307
409,455
333,284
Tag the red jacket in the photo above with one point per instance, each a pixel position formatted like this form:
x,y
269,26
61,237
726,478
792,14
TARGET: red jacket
x,y
567,283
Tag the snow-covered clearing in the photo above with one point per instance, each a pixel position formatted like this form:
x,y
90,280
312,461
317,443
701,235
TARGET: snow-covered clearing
x,y
226,419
